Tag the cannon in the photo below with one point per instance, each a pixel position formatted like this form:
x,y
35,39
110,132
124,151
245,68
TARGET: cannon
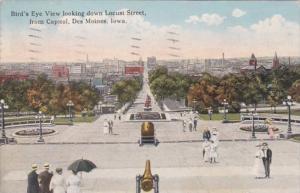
x,y
147,182
147,134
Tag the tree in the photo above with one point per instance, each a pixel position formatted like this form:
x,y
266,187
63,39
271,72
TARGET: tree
x,y
14,93
159,71
127,90
294,91
204,91
253,90
39,93
276,94
163,86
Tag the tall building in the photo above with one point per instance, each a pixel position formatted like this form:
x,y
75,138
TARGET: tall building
x,y
275,61
151,62
253,61
78,68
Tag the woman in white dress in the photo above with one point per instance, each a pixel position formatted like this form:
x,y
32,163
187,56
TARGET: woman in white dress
x,y
105,127
206,150
190,124
215,136
58,183
213,152
258,167
73,183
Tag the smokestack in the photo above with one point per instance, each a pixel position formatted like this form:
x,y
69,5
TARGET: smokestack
x,y
223,59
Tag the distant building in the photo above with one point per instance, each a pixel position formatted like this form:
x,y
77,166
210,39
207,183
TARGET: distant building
x,y
275,61
134,70
78,68
13,76
151,62
253,61
60,71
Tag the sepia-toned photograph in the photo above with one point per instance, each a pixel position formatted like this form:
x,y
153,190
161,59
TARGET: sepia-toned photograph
x,y
149,96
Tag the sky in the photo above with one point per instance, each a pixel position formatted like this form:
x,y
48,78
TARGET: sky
x,y
168,30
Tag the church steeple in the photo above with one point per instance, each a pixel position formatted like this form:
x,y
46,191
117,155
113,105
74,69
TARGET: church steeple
x,y
253,61
275,61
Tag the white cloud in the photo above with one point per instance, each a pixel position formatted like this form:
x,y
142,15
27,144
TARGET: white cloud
x,y
193,19
271,34
209,19
238,12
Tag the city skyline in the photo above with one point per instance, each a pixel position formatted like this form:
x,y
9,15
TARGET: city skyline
x,y
203,30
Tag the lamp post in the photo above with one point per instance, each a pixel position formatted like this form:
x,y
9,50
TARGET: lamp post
x,y
194,104
70,104
3,106
253,125
289,102
39,116
225,103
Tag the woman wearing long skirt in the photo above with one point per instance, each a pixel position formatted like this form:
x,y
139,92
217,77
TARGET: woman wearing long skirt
x,y
73,183
206,150
58,183
213,152
258,167
105,127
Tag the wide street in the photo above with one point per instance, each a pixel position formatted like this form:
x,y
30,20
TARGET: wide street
x,y
177,159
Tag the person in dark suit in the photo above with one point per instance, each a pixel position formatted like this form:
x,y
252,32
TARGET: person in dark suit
x,y
267,159
33,184
206,134
45,178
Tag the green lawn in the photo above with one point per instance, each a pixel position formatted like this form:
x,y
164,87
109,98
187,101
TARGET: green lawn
x,y
66,121
220,116
294,112
296,138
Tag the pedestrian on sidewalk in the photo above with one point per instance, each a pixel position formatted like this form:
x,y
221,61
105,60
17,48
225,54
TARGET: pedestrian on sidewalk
x,y
58,182
119,117
267,159
258,167
115,116
268,122
215,136
206,150
195,124
213,152
190,123
45,178
33,183
206,134
183,125
110,128
73,183
105,127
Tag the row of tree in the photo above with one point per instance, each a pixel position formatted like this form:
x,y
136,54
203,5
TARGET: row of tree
x,y
127,90
210,91
169,85
42,94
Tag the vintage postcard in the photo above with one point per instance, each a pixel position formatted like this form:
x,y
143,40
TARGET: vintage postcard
x,y
149,96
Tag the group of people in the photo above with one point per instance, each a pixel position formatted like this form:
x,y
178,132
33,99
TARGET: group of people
x,y
210,145
108,126
47,182
189,121
263,160
119,116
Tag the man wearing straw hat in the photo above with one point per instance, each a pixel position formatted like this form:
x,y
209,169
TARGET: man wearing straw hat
x,y
45,178
267,159
33,184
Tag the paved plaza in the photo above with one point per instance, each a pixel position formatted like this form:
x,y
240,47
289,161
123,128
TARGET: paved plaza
x,y
177,159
